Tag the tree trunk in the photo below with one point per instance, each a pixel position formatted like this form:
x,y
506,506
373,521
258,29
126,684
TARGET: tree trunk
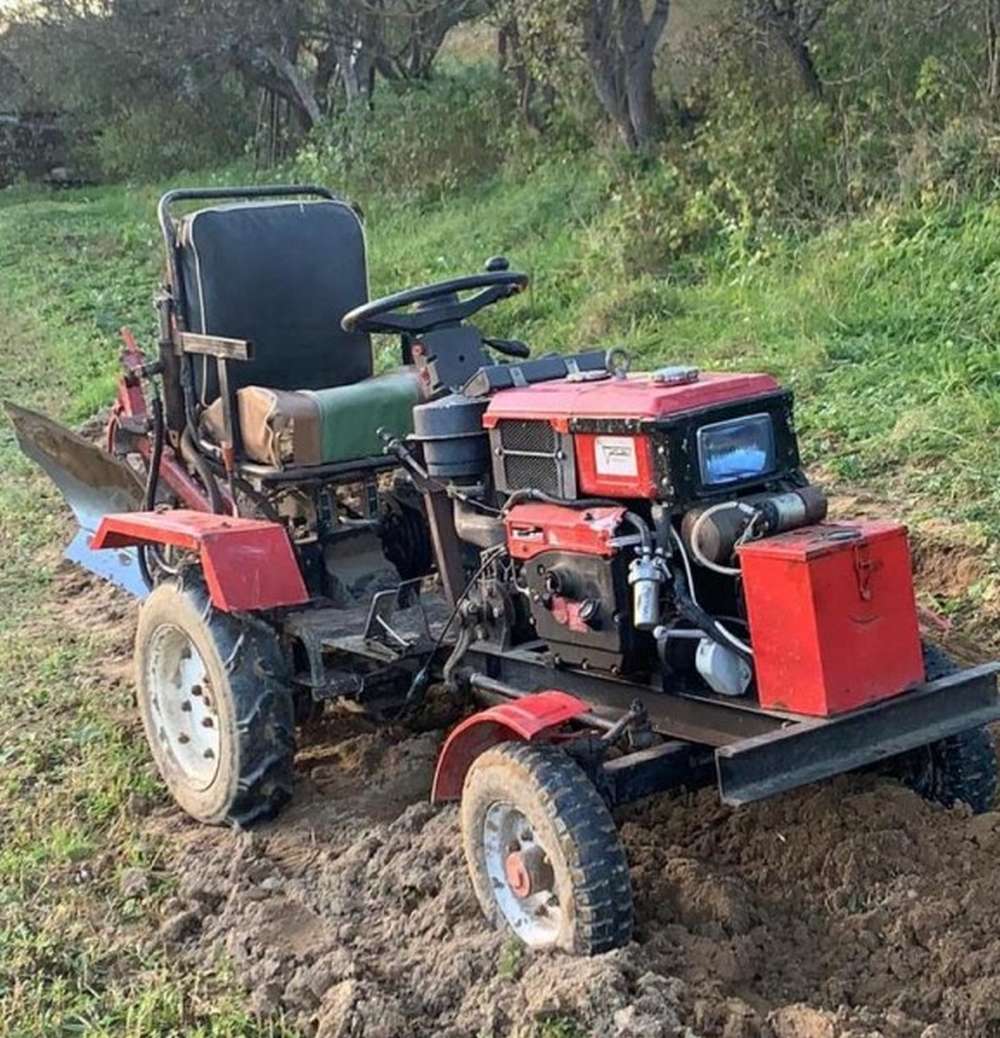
x,y
802,54
300,93
356,70
605,62
993,49
640,40
620,45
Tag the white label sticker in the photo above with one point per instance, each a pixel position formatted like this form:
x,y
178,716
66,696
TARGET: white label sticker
x,y
615,456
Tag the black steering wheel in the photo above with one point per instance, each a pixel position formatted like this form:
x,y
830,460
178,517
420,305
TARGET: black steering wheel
x,y
380,314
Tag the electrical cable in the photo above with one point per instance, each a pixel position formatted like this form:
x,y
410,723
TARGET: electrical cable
x,y
422,678
742,646
726,571
194,457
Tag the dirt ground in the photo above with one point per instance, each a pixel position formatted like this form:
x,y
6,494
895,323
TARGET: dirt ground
x,y
851,908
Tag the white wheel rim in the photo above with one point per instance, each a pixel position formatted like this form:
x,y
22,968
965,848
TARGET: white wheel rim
x,y
182,705
533,908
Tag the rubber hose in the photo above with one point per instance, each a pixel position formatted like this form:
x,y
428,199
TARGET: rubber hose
x,y
205,473
702,620
152,482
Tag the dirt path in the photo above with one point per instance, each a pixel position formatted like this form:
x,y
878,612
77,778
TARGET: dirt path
x,y
848,909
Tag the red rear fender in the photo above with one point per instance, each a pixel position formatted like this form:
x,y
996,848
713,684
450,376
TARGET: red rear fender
x,y
248,564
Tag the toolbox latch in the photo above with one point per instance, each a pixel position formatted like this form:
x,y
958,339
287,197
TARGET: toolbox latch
x,y
864,566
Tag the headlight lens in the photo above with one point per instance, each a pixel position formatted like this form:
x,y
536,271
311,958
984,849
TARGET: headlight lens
x,y
736,450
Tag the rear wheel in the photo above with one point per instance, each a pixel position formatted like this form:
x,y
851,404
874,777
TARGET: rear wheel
x,y
959,769
218,721
543,851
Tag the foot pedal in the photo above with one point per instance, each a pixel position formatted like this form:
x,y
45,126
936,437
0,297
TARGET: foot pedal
x,y
379,626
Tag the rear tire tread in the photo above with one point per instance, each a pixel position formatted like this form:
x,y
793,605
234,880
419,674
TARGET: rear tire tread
x,y
961,768
263,713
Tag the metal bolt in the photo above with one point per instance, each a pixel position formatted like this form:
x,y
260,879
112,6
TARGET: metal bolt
x,y
186,706
207,722
208,755
196,690
182,738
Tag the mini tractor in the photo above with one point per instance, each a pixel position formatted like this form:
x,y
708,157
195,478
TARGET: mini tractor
x,y
626,578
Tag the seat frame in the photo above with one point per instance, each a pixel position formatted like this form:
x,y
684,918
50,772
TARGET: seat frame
x,y
179,347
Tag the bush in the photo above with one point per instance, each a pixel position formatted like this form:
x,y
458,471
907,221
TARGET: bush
x,y
419,139
161,137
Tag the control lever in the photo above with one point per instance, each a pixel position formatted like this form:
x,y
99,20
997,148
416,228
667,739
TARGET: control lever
x,y
511,347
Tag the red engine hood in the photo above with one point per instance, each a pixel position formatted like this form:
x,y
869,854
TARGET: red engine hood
x,y
635,397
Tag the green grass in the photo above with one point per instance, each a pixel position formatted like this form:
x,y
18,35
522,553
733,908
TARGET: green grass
x,y
886,327
75,957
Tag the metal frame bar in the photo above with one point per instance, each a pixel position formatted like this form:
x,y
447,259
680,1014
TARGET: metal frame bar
x,y
815,749
711,722
758,752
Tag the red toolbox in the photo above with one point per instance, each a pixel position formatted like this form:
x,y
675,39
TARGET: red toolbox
x,y
833,620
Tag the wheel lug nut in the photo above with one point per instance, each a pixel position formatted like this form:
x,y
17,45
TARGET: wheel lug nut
x,y
207,722
208,755
196,690
182,738
186,706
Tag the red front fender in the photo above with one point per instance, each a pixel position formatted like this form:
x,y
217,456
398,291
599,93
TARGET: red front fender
x,y
532,717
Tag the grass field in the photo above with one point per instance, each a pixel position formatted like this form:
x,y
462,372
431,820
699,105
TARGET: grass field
x,y
887,328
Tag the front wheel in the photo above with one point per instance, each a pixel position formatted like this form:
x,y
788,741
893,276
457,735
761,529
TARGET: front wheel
x,y
219,723
543,851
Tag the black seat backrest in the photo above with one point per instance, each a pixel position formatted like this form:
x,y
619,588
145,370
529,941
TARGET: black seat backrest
x,y
281,274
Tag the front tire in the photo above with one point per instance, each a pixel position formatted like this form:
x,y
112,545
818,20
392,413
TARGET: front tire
x,y
218,721
543,851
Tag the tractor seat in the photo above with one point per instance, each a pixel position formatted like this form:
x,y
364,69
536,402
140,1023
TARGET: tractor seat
x,y
284,428
282,275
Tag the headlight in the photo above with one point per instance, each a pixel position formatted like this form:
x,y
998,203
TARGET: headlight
x,y
738,449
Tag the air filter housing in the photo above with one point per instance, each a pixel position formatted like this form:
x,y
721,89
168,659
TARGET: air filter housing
x,y
456,446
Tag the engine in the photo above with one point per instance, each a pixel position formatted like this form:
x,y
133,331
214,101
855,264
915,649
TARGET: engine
x,y
609,512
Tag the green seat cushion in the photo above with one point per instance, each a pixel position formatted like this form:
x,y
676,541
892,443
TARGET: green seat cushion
x,y
290,428
350,416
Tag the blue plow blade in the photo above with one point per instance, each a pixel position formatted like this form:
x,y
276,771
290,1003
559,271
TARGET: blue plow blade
x,y
94,484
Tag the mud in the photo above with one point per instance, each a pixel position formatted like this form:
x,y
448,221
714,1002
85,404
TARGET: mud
x,y
847,910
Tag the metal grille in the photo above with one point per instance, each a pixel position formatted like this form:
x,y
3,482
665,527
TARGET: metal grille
x,y
524,470
532,454
527,436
